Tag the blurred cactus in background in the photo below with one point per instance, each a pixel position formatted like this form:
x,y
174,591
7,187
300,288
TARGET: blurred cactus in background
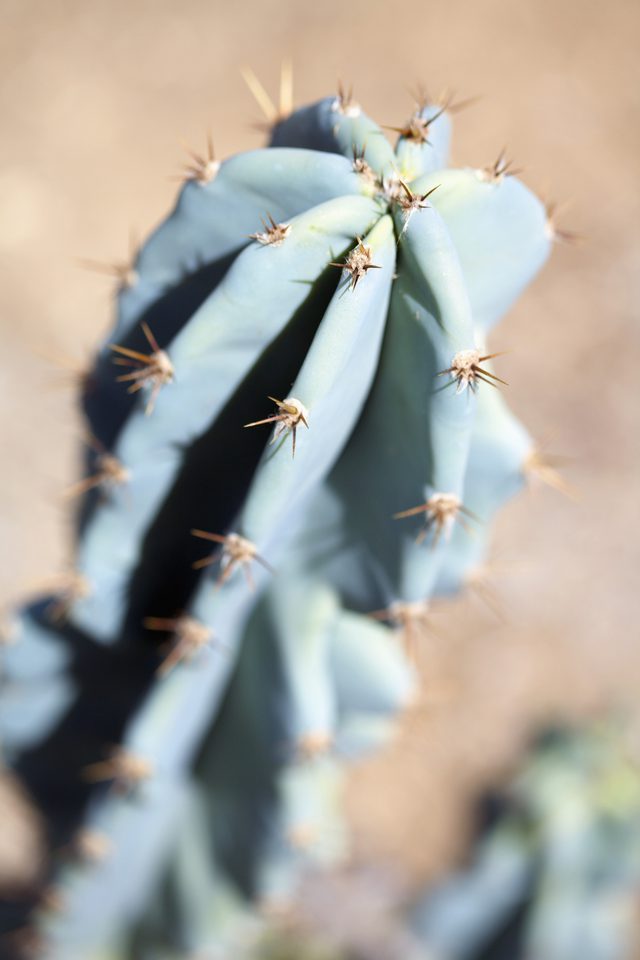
x,y
296,440
556,875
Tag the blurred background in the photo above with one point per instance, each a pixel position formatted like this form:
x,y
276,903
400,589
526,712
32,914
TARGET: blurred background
x,y
96,99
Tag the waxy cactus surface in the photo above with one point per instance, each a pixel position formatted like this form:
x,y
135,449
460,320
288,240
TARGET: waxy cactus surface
x,y
295,424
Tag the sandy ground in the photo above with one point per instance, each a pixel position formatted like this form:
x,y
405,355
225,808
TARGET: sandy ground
x,y
94,100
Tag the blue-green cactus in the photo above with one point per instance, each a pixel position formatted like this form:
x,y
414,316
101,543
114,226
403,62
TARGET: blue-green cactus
x,y
352,496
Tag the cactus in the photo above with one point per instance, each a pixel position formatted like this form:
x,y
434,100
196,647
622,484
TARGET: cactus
x,y
294,425
557,872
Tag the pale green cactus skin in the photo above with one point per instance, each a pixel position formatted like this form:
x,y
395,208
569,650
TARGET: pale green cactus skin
x,y
246,742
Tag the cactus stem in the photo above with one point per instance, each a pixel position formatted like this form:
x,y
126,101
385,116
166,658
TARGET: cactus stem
x,y
236,552
190,636
501,168
274,233
152,369
293,414
465,370
441,510
203,167
125,769
357,262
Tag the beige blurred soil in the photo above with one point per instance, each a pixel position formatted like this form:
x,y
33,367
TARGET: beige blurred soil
x,y
95,98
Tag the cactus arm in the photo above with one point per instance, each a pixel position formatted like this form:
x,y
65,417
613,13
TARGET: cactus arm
x,y
500,231
326,126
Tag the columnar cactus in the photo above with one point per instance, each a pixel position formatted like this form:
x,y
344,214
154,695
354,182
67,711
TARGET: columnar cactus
x,y
294,425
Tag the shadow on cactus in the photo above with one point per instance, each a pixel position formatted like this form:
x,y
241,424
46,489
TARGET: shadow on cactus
x,y
295,423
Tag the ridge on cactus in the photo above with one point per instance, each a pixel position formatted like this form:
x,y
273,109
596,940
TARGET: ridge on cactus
x,y
226,688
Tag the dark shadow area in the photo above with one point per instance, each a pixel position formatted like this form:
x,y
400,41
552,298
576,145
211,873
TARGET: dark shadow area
x,y
509,941
218,469
240,784
110,683
106,403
